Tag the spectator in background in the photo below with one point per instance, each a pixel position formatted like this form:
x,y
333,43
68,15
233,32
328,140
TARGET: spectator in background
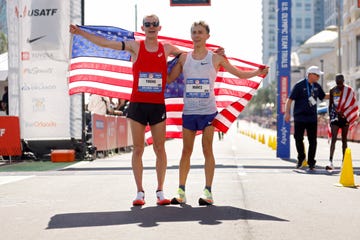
x,y
119,106
305,94
343,109
122,106
5,100
2,112
98,104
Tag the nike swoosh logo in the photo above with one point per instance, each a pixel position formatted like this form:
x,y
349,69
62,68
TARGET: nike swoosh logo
x,y
203,63
35,39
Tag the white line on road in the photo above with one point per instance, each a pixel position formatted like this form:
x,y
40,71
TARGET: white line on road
x,y
10,179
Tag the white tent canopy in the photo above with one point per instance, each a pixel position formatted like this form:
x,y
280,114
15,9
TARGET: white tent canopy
x,y
3,66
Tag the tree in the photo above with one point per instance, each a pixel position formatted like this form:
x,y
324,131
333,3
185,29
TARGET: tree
x,y
264,96
3,42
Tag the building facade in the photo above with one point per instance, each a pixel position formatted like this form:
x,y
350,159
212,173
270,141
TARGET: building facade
x,y
350,44
307,20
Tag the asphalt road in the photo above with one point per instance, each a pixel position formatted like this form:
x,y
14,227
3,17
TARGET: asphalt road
x,y
257,196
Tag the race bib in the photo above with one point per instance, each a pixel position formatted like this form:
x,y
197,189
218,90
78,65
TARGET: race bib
x,y
197,88
150,82
336,100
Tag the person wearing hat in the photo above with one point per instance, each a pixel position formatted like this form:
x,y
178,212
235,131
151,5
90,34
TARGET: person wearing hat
x,y
305,94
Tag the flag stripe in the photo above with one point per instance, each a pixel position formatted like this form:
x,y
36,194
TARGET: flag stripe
x,y
348,105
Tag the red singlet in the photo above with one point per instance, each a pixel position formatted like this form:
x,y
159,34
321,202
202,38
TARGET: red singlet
x,y
150,73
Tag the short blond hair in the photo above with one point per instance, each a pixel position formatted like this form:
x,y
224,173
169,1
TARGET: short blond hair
x,y
201,23
151,16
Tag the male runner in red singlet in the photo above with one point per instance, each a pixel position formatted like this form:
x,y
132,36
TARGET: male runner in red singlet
x,y
147,103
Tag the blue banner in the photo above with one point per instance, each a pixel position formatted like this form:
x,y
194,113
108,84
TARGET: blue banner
x,y
284,70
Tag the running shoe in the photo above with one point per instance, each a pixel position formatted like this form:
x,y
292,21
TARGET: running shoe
x,y
312,167
139,200
330,166
161,200
180,197
206,198
299,163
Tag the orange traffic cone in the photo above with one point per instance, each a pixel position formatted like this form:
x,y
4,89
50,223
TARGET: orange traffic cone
x,y
347,172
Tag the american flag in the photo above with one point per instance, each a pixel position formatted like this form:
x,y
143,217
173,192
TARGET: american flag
x,y
348,105
107,72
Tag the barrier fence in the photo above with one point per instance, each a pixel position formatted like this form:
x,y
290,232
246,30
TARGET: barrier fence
x,y
110,132
323,131
113,132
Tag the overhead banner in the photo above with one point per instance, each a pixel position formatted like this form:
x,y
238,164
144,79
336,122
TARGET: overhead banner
x,y
284,71
39,57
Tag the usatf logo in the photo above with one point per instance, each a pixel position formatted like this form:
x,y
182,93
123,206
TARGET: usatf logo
x,y
37,12
20,15
2,132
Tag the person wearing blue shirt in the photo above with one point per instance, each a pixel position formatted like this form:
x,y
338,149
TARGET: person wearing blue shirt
x,y
305,94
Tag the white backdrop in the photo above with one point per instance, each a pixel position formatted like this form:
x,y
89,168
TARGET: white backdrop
x,y
38,61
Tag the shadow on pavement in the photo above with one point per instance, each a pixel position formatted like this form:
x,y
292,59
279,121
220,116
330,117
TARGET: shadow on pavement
x,y
194,166
152,216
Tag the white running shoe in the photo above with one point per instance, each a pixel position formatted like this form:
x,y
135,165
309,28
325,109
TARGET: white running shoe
x,y
161,200
139,200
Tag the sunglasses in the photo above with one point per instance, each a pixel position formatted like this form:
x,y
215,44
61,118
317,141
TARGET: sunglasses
x,y
148,24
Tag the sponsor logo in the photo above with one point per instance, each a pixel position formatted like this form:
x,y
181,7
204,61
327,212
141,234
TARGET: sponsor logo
x,y
35,39
99,124
36,12
41,124
284,135
38,104
203,63
25,56
2,132
37,70
41,86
